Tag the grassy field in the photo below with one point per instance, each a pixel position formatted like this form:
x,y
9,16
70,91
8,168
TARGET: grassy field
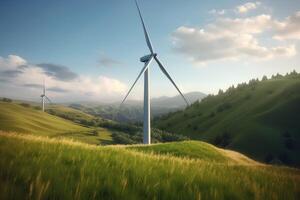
x,y
194,150
69,113
23,119
260,119
15,117
34,167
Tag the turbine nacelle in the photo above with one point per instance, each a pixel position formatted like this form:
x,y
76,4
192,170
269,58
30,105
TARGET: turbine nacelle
x,y
146,58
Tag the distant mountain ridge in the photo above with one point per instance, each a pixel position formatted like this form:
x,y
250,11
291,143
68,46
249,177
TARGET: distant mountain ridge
x,y
177,101
132,110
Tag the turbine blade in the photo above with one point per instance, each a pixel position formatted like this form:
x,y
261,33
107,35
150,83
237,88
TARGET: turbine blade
x,y
48,99
143,70
169,77
145,30
44,88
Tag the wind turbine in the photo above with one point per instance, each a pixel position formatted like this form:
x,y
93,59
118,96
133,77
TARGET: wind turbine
x,y
147,59
44,96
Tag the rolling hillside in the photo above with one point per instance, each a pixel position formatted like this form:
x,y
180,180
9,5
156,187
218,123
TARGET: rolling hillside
x,y
36,167
23,118
260,119
195,150
61,121
41,168
15,117
69,113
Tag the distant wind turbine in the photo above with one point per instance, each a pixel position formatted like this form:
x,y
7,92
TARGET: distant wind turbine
x,y
147,59
44,96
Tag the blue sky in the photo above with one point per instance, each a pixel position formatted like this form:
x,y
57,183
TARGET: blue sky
x,y
101,42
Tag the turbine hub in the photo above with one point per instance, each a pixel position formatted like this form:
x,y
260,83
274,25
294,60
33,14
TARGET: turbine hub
x,y
146,58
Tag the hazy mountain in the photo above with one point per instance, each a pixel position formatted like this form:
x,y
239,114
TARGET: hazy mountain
x,y
132,110
176,101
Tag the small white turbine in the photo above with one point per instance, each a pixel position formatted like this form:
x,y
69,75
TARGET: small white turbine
x,y
43,97
147,61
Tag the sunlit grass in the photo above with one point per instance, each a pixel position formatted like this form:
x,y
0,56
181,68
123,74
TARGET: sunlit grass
x,y
195,150
44,168
14,117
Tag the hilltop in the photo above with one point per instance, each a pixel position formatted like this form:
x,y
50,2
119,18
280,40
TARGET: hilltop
x,y
260,119
194,150
62,169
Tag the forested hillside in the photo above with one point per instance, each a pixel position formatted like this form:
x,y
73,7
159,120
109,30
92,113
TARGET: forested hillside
x,y
259,118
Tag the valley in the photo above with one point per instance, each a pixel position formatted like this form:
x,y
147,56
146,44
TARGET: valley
x,y
71,154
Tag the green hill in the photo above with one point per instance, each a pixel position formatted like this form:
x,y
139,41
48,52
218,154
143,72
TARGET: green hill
x,y
70,113
24,118
195,150
41,168
260,119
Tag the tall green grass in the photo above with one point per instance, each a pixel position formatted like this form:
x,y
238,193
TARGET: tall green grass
x,y
194,150
40,168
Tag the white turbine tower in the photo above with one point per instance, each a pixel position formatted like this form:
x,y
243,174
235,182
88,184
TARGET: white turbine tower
x,y
43,97
145,70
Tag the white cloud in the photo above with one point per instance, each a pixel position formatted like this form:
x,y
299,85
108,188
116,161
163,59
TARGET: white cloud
x,y
11,62
15,71
217,12
229,38
250,25
247,7
289,28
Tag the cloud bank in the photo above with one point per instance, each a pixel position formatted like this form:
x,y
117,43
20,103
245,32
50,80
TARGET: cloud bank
x,y
289,28
236,38
58,72
61,82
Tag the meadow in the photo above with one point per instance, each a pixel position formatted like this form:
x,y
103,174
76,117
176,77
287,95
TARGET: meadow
x,y
35,167
29,119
